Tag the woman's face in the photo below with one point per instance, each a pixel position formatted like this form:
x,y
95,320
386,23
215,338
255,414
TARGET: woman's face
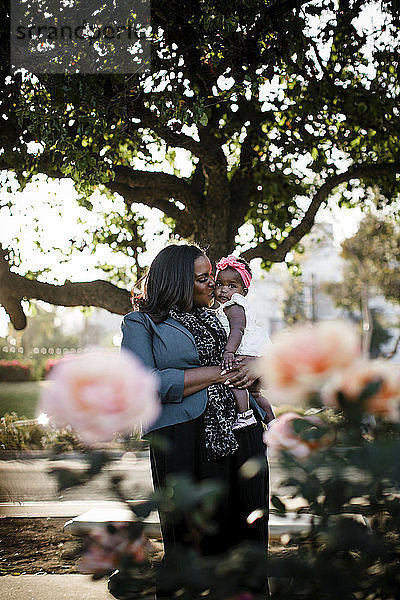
x,y
203,293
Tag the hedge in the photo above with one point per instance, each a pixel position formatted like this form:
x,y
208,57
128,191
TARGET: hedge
x,y
15,370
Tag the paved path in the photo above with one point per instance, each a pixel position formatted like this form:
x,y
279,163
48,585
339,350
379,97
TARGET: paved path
x,y
26,489
53,587
29,480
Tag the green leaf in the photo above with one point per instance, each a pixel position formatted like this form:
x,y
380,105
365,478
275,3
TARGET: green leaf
x,y
97,459
143,509
66,478
278,504
370,390
203,119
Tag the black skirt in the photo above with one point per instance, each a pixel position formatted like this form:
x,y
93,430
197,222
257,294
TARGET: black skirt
x,y
181,449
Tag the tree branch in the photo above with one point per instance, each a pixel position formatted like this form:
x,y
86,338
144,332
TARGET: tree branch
x,y
184,221
178,140
156,183
145,196
14,288
361,171
208,153
44,165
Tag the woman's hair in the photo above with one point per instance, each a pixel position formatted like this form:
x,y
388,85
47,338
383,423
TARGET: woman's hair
x,y
170,282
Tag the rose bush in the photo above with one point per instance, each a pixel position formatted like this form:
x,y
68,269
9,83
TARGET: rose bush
x,y
309,436
298,362
345,472
99,394
346,480
348,385
109,545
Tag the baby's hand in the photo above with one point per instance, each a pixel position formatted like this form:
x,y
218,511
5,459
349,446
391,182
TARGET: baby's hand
x,y
228,359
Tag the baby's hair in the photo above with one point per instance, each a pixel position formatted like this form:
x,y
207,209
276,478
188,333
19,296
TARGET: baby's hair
x,y
246,264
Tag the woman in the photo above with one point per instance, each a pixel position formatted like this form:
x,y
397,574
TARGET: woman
x,y
176,336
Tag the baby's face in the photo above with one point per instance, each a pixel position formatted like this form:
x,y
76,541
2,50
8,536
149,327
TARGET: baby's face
x,y
228,282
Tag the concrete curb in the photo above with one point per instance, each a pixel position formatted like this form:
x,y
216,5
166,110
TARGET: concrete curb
x,y
84,516
27,455
291,523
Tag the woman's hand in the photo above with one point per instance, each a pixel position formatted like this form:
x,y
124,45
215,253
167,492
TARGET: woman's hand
x,y
200,378
242,376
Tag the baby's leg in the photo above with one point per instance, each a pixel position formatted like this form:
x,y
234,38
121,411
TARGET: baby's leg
x,y
255,391
241,399
245,415
265,404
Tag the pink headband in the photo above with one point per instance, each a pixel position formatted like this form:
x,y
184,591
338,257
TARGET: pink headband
x,y
232,262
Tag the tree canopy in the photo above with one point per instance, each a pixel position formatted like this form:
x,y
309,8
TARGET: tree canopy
x,y
277,105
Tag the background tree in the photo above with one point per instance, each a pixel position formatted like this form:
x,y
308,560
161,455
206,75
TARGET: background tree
x,y
294,306
275,105
45,330
371,269
381,335
47,336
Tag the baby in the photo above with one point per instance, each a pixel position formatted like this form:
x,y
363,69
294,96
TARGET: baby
x,y
245,337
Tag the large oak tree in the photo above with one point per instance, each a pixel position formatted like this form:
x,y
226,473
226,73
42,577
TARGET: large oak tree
x,y
277,104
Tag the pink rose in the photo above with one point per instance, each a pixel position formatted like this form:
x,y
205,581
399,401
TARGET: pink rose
x,y
352,381
282,436
99,394
106,549
301,359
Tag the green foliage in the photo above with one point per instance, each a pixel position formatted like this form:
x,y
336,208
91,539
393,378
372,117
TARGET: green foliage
x,y
351,550
380,334
19,437
122,233
354,542
372,255
66,478
295,302
371,268
20,433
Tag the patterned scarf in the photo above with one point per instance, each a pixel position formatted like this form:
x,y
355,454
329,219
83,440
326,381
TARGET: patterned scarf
x,y
220,413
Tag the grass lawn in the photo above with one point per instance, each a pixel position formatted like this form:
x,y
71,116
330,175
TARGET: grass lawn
x,y
20,398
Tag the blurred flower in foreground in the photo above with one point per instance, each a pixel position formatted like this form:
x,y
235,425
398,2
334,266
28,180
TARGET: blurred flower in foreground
x,y
300,360
298,435
110,544
375,384
99,394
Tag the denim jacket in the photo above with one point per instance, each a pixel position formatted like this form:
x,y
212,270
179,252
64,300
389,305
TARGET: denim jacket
x,y
167,349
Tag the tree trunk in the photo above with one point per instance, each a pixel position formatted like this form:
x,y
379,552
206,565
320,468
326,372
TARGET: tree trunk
x,y
212,230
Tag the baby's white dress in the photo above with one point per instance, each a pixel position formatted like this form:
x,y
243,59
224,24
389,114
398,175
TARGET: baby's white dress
x,y
255,338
